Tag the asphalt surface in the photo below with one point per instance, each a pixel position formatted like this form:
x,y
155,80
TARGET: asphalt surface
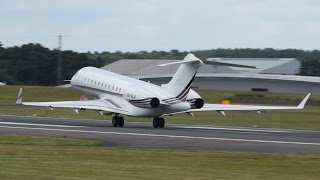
x,y
173,136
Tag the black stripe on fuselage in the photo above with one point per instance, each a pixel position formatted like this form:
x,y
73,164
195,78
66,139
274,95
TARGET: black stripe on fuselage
x,y
187,88
141,100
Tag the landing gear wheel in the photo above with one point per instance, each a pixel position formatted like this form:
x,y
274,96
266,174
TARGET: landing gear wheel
x,y
121,121
155,123
117,121
158,122
114,122
161,123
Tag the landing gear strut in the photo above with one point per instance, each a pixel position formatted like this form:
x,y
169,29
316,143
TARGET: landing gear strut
x,y
117,121
158,122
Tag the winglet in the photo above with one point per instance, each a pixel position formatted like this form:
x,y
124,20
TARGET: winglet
x,y
19,97
304,101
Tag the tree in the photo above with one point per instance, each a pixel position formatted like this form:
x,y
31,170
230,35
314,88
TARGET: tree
x,y
310,68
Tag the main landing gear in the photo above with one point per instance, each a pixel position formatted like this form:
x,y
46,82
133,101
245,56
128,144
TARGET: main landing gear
x,y
158,122
117,121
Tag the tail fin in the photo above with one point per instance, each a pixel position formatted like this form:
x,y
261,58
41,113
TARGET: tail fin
x,y
181,82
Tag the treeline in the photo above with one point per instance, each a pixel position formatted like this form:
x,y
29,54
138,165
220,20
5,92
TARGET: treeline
x,y
33,64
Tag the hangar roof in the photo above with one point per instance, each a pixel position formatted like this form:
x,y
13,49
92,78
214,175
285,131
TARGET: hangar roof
x,y
129,67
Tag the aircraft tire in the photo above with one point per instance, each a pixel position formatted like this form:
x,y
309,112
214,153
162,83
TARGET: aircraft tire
x,y
114,121
155,122
120,121
161,122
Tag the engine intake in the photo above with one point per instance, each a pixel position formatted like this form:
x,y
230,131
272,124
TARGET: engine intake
x,y
155,102
196,103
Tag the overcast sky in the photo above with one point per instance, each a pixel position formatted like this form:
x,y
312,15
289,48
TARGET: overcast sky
x,y
135,25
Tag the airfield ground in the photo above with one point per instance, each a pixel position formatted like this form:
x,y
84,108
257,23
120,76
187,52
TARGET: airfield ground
x,y
57,158
29,157
309,118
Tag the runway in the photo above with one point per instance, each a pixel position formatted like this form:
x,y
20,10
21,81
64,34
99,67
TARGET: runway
x,y
173,136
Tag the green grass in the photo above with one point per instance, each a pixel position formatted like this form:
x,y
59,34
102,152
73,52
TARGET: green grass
x,y
296,119
60,162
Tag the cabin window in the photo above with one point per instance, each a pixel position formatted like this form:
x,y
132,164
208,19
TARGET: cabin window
x,y
91,81
112,87
119,89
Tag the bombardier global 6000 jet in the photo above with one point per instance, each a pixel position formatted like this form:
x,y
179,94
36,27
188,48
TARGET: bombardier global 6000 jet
x,y
121,95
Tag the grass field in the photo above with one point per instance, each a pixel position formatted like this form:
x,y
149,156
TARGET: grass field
x,y
57,159
309,118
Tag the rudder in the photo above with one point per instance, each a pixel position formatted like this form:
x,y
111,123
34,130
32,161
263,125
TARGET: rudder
x,y
182,80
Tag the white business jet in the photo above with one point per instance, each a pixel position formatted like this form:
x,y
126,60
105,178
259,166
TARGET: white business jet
x,y
122,95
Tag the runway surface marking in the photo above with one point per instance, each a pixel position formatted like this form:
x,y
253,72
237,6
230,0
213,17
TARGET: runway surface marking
x,y
168,136
33,124
221,130
199,128
235,129
273,130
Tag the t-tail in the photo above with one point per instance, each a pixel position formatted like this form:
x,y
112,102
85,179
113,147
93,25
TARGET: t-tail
x,y
181,82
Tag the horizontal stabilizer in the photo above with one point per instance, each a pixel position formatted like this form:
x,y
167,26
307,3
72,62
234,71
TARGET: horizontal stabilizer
x,y
190,58
215,61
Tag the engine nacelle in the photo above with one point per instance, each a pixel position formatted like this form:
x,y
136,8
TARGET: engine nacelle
x,y
198,103
195,100
140,97
155,102
146,103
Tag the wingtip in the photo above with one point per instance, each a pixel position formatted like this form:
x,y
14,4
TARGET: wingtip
x,y
304,101
19,97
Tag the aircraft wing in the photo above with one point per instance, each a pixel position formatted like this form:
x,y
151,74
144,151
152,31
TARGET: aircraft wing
x,y
103,104
225,107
